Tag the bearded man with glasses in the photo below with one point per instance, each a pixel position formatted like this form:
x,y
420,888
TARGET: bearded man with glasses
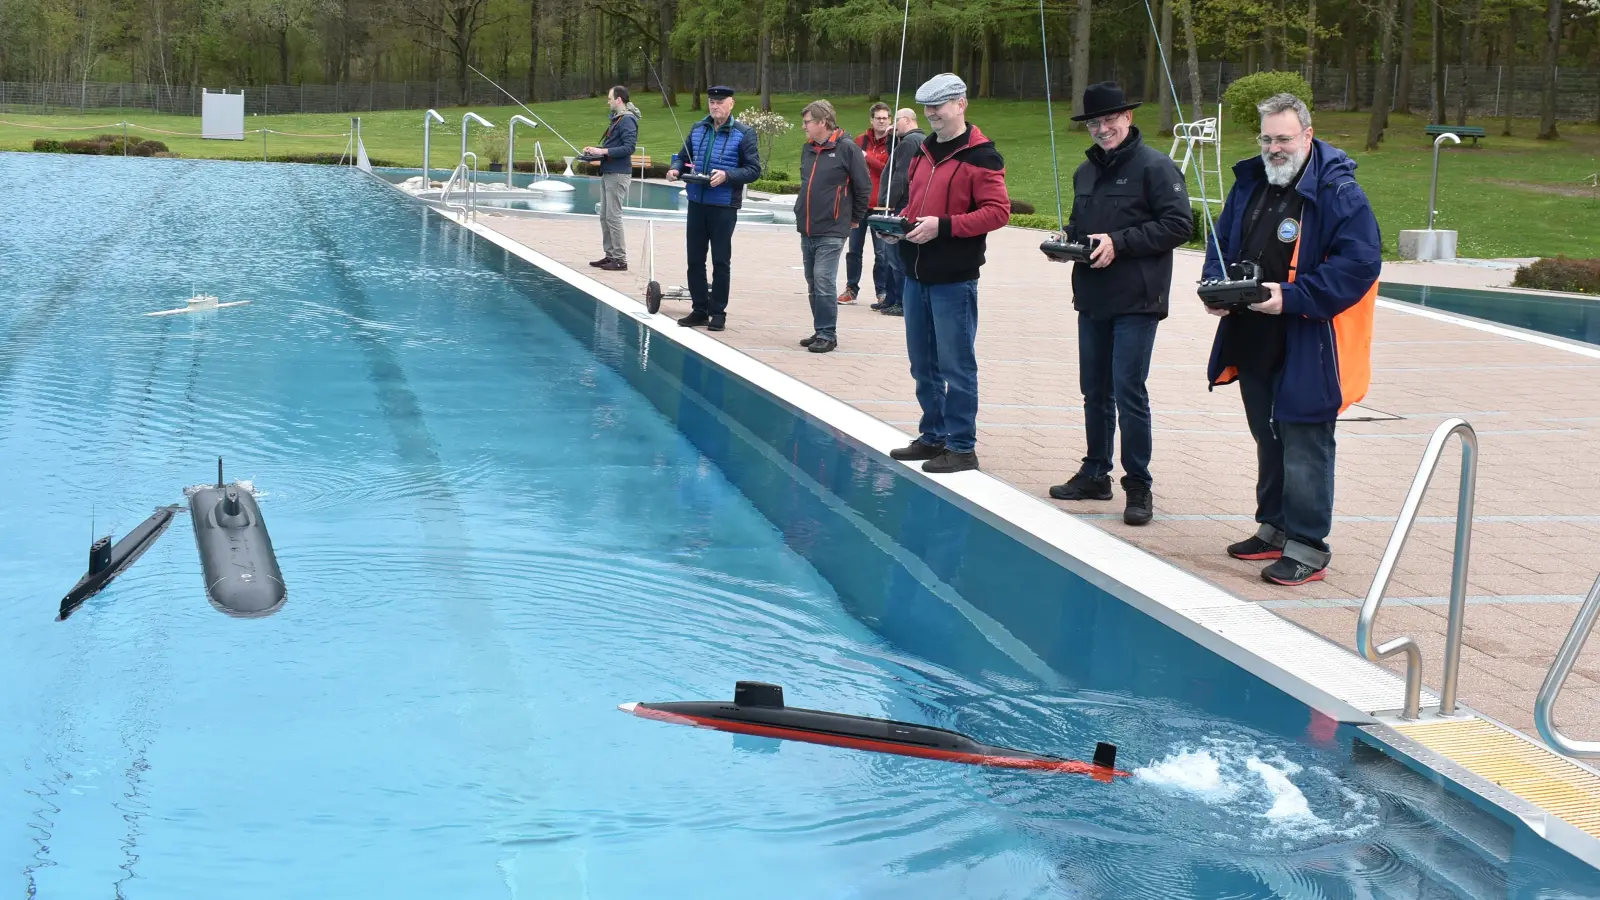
x,y
1303,355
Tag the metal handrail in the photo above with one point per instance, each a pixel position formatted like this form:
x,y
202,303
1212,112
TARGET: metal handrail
x,y
511,144
1544,707
427,124
461,173
1458,572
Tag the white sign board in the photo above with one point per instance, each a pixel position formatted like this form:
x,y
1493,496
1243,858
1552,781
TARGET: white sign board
x,y
222,116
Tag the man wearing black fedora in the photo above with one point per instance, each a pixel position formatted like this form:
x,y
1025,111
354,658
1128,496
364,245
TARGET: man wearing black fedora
x,y
1131,204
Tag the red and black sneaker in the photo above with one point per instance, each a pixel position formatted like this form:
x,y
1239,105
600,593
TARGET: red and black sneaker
x,y
1292,572
1254,548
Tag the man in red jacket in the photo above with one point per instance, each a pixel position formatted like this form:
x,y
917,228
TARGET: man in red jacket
x,y
874,144
957,195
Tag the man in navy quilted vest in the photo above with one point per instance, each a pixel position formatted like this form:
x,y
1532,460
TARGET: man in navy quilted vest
x,y
727,151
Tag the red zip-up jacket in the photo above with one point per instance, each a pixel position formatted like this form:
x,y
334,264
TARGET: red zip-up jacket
x,y
967,192
876,150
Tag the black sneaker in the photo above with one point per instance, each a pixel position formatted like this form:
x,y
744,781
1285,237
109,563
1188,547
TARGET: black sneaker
x,y
693,319
806,341
599,262
1254,548
893,310
718,323
1292,572
916,450
822,345
1141,505
951,461
878,305
1083,487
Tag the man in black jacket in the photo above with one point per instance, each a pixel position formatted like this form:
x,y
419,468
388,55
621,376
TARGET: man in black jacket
x,y
835,192
1131,204
892,198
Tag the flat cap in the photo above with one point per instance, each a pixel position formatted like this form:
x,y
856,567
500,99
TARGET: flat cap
x,y
719,92
941,88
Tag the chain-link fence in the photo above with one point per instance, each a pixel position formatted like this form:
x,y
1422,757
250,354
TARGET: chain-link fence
x,y
1489,90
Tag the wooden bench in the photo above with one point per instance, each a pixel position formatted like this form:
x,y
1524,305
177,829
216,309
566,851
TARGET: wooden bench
x,y
1461,131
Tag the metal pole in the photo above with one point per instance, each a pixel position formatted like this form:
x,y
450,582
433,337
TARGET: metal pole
x,y
1433,192
263,145
1499,72
427,123
124,138
1458,570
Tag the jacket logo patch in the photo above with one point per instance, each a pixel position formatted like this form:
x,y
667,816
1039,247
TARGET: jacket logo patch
x,y
1122,181
1288,231
1177,186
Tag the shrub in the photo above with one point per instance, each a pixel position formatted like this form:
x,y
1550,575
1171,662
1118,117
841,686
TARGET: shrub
x,y
767,126
1561,273
776,187
327,159
104,145
1242,97
1022,206
47,145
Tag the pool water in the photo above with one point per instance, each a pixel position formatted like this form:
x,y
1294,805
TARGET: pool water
x,y
500,511
1575,318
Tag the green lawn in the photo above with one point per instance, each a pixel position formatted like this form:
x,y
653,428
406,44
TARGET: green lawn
x,y
1513,197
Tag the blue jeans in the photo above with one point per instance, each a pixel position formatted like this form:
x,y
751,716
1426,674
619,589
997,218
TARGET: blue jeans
x,y
821,258
852,260
941,339
894,282
1294,472
1113,363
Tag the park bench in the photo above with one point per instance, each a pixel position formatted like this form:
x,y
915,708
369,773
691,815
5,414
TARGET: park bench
x,y
1461,131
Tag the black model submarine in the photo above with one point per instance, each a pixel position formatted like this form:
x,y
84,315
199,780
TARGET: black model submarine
x,y
241,572
757,709
108,560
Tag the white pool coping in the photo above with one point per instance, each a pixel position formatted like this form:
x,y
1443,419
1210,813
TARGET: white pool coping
x,y
1325,676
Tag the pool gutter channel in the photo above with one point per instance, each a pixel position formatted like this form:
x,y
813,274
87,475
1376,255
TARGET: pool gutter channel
x,y
1327,677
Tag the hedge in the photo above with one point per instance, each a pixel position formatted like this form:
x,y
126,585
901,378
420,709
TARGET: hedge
x,y
1561,273
1243,96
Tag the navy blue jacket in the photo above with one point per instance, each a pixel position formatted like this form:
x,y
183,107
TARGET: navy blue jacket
x,y
1331,291
731,148
620,139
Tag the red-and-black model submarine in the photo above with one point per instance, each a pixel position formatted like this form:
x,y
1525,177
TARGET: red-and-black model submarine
x,y
757,709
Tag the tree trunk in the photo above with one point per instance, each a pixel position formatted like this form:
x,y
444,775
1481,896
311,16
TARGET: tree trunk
x,y
765,73
710,63
874,65
1352,84
1184,10
1408,21
1151,79
1469,31
1436,63
533,49
594,55
1268,46
1380,91
1552,57
1166,83
986,66
283,55
1080,57
699,74
669,86
955,50
1509,59
1311,41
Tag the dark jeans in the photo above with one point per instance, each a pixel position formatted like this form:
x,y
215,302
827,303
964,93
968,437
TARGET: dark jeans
x,y
941,339
1113,363
894,282
821,259
852,260
713,226
1294,472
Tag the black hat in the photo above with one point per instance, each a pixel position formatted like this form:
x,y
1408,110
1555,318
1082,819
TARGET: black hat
x,y
1103,99
720,92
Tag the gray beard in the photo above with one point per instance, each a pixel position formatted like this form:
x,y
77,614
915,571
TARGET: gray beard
x,y
1280,174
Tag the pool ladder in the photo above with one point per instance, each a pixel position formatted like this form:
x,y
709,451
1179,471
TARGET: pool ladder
x,y
469,209
1565,659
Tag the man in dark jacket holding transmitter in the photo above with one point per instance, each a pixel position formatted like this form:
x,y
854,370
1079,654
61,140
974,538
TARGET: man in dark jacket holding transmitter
x,y
1130,203
835,196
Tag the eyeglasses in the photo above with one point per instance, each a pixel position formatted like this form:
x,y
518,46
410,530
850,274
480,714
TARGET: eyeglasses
x,y
1267,140
1101,124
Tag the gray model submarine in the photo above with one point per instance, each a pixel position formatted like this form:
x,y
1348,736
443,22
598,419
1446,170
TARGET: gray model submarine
x,y
107,560
241,572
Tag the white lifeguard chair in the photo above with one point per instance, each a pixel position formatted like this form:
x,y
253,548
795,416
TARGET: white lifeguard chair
x,y
1201,140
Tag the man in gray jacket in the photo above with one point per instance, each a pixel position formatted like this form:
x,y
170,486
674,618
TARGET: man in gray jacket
x,y
835,195
892,198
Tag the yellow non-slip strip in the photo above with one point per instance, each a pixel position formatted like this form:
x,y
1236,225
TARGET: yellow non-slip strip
x,y
1532,772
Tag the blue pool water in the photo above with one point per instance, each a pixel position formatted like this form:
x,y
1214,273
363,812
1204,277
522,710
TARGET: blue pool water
x,y
500,511
1575,318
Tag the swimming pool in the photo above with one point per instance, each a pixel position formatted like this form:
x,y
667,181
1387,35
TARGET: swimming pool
x,y
644,198
1575,318
501,510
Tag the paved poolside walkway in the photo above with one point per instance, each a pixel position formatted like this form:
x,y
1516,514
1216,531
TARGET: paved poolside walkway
x,y
1536,542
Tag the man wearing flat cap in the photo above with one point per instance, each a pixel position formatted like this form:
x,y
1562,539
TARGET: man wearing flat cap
x,y
726,150
956,195
1130,203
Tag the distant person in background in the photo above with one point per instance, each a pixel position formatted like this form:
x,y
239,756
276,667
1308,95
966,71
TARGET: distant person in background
x,y
726,150
835,194
874,144
892,198
615,153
